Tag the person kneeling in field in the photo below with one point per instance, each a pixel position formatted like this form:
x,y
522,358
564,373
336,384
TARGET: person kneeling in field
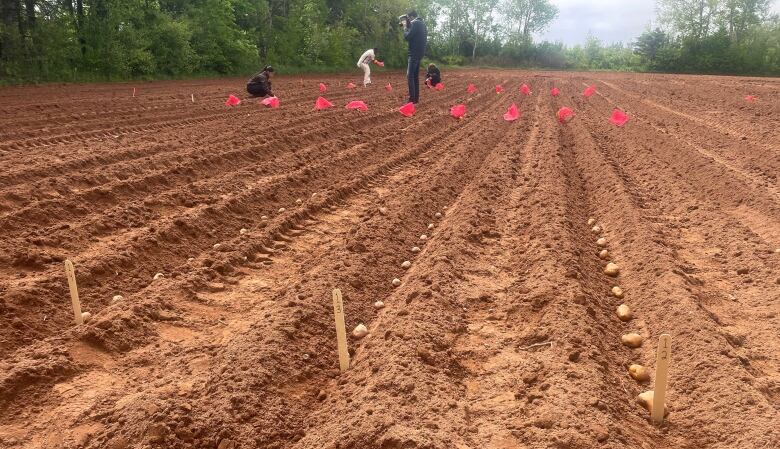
x,y
260,84
366,58
432,76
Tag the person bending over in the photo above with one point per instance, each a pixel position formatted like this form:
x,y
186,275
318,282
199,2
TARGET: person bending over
x,y
432,76
367,58
260,84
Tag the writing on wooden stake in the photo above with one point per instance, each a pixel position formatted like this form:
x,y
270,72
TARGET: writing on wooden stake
x,y
70,273
661,377
341,332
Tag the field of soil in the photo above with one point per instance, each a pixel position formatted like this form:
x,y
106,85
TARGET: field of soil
x,y
225,229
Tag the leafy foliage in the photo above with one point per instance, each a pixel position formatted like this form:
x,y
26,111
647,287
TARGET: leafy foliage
x,y
68,40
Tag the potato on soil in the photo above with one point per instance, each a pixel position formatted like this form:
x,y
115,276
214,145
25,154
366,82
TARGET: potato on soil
x,y
158,276
430,226
396,282
86,316
360,331
602,242
603,254
612,269
596,229
646,400
438,215
639,373
264,217
217,246
423,237
379,305
406,264
117,298
415,249
591,221
632,340
617,292
624,313
383,210
243,231
299,201
281,209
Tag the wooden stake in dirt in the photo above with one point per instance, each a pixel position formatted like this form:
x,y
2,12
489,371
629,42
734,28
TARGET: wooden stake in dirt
x,y
134,92
193,98
661,377
70,273
341,332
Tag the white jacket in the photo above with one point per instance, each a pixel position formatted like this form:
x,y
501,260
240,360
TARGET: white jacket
x,y
366,57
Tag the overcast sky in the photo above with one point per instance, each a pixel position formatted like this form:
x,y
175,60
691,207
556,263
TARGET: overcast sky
x,y
609,20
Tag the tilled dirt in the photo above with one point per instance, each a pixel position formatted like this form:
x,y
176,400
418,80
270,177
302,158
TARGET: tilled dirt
x,y
503,332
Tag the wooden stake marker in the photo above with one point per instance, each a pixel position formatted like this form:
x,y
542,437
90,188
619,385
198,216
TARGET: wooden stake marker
x,y
193,98
661,377
341,332
134,92
70,273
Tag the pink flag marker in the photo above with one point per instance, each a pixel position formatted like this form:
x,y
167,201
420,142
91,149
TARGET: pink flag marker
x,y
471,89
232,101
512,113
351,86
525,90
618,118
323,88
590,90
750,98
407,110
458,111
389,87
439,86
564,114
555,91
499,89
271,102
322,103
357,104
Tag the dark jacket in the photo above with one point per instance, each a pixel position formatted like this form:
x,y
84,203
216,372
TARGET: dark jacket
x,y
434,75
259,85
417,36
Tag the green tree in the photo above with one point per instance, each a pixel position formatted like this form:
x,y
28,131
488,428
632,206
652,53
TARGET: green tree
x,y
523,17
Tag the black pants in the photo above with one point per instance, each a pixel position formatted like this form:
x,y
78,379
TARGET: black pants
x,y
413,78
256,90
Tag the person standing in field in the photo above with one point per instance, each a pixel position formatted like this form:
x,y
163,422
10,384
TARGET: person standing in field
x,y
367,58
260,84
416,33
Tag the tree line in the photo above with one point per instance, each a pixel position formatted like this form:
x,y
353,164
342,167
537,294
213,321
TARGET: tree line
x,y
73,40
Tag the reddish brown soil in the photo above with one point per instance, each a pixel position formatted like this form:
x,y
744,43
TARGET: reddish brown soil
x,y
503,333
